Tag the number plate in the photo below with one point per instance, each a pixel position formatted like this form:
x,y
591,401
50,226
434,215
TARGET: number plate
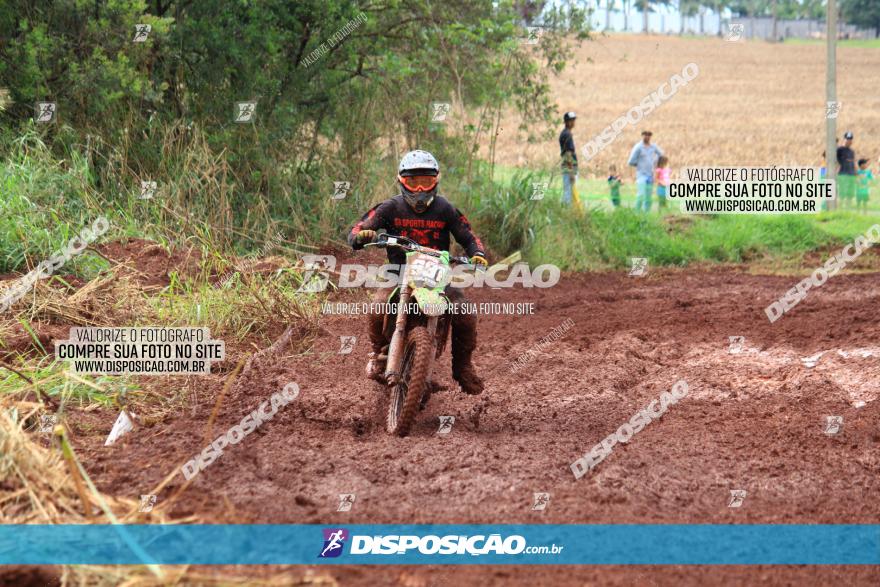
x,y
426,271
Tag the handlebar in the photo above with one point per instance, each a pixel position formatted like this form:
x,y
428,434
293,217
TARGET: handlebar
x,y
385,240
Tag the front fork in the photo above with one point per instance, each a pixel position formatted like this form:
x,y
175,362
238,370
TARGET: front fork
x,y
395,348
398,339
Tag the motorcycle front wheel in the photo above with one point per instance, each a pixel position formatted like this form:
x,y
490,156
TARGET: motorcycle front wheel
x,y
406,395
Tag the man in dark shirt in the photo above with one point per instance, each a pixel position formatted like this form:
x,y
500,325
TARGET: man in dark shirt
x,y
846,174
430,228
418,213
569,158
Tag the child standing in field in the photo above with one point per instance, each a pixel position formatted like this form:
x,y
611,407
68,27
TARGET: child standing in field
x,y
863,185
614,185
663,173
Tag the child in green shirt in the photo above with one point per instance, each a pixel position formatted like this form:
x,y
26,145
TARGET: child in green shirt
x,y
614,185
863,185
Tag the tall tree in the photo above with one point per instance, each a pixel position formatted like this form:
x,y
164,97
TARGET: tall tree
x,y
863,13
812,9
646,9
687,8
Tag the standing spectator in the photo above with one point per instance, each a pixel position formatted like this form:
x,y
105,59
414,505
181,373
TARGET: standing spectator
x,y
823,171
569,159
614,182
644,158
863,189
846,174
664,174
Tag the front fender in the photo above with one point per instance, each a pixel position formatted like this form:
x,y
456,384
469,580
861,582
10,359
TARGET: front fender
x,y
431,302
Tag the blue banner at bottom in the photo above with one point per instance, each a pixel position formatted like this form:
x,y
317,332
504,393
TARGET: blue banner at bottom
x,y
481,544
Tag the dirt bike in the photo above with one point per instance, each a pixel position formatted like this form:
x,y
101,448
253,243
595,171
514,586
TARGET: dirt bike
x,y
419,332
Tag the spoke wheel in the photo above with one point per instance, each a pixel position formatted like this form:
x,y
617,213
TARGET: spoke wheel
x,y
407,394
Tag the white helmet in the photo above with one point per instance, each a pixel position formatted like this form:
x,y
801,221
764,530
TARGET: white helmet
x,y
418,161
424,170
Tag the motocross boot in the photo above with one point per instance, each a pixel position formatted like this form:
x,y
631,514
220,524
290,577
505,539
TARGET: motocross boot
x,y
375,366
464,341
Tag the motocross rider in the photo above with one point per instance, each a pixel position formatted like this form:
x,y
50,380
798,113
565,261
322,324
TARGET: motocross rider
x,y
420,214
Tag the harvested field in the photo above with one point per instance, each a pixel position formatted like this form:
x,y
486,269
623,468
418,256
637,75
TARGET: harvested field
x,y
752,104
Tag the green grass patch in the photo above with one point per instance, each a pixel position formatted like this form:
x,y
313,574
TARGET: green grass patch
x,y
238,306
866,43
603,237
49,376
47,202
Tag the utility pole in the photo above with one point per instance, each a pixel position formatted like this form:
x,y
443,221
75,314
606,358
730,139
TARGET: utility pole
x,y
831,97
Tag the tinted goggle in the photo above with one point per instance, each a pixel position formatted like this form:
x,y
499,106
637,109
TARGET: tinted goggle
x,y
419,183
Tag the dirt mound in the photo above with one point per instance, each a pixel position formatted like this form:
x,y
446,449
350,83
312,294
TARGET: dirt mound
x,y
113,298
151,263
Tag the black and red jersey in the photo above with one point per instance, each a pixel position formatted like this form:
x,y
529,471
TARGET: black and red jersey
x,y
431,228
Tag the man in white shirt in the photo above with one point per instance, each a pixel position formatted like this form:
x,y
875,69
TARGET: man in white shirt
x,y
644,158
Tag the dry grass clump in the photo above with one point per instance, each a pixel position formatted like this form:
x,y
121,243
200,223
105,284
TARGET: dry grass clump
x,y
40,486
198,576
35,487
112,299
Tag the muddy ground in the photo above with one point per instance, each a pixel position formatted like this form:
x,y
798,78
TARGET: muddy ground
x,y
754,420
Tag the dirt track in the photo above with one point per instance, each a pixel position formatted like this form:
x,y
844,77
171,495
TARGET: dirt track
x,y
753,420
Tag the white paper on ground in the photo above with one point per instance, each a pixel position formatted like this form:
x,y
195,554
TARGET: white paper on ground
x,y
122,426
810,362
